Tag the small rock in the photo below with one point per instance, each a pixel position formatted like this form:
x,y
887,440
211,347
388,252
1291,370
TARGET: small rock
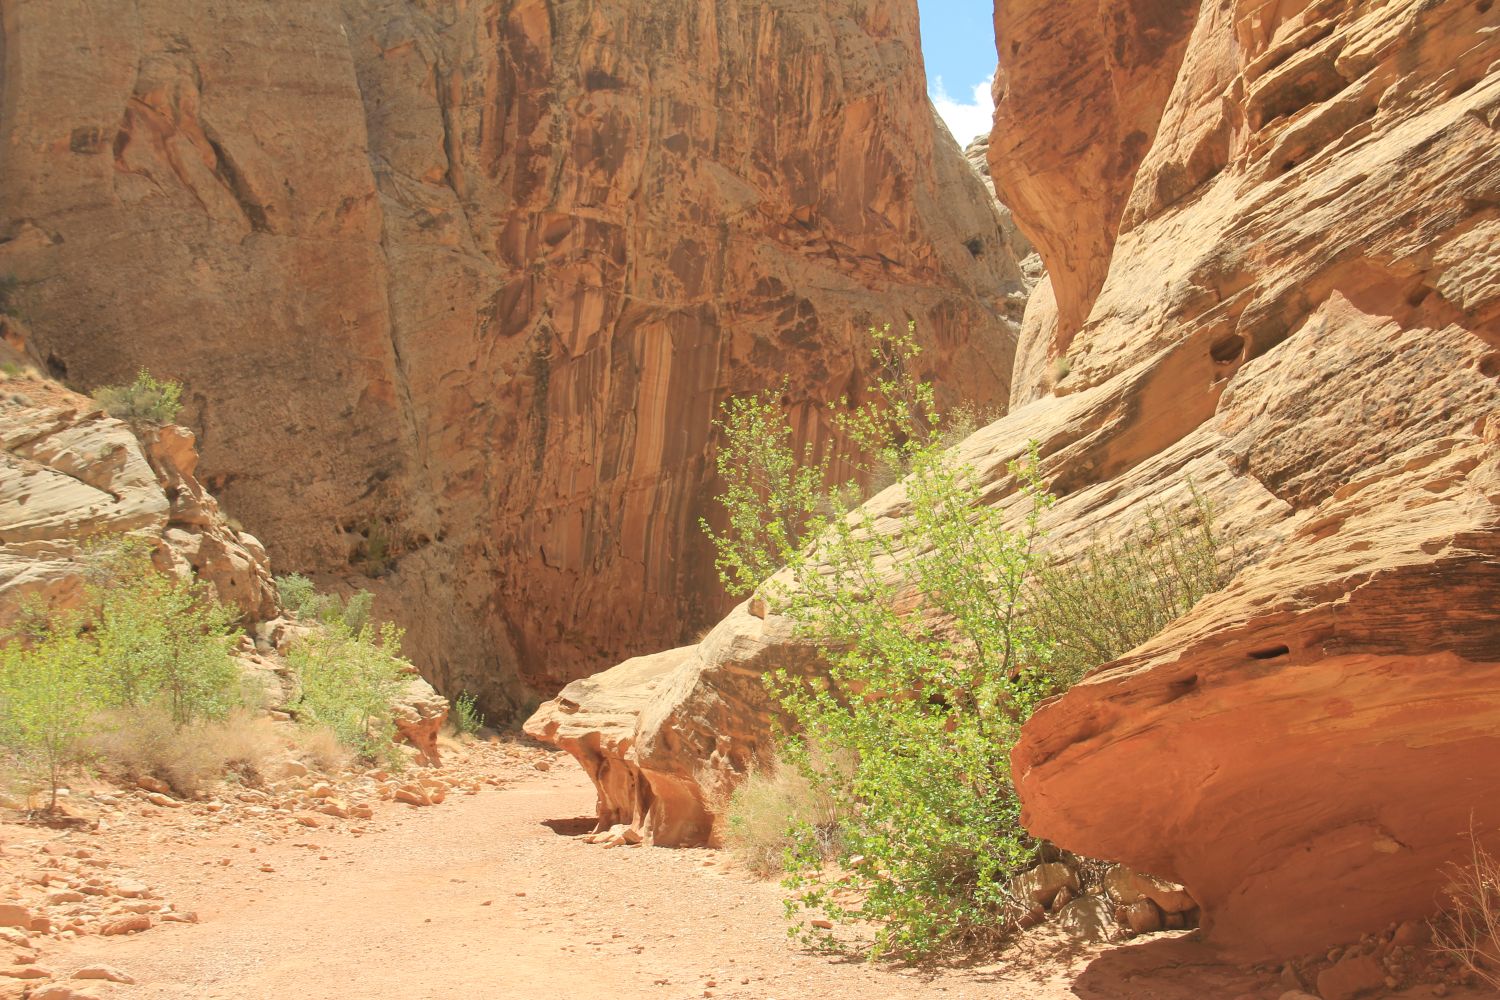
x,y
1086,918
1042,883
131,889
164,801
822,925
152,784
1143,917
543,765
127,925
1412,934
26,972
1353,977
293,768
58,991
322,790
12,915
105,972
309,819
412,795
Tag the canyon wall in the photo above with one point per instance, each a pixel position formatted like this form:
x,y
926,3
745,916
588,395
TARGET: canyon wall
x,y
455,287
1272,241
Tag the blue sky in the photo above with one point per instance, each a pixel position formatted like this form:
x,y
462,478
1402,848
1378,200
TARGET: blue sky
x,y
958,45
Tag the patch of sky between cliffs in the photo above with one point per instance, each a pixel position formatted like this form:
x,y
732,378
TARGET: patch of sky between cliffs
x,y
958,46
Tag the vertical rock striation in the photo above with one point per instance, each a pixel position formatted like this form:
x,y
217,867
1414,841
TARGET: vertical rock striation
x,y
457,286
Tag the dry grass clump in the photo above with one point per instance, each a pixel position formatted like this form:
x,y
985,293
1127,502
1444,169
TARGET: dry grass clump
x,y
774,808
146,742
1470,930
319,748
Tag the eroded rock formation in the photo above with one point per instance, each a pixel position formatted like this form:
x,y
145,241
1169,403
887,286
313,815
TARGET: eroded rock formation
x,y
1270,232
70,473
456,287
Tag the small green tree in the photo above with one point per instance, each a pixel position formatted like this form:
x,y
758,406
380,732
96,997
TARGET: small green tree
x,y
47,694
348,682
161,639
147,400
467,716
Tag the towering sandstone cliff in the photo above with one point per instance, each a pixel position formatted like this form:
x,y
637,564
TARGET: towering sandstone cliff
x,y
456,286
1272,239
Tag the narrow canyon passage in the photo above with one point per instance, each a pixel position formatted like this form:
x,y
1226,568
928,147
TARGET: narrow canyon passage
x,y
494,896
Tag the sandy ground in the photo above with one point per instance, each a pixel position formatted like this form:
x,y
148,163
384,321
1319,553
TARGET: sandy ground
x,y
495,895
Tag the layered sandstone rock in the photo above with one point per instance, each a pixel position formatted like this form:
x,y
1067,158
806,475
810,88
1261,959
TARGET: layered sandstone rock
x,y
1270,233
456,287
69,474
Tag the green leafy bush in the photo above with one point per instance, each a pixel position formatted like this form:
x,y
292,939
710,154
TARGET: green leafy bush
x,y
296,592
467,717
939,641
144,648
47,695
146,400
161,640
348,682
300,595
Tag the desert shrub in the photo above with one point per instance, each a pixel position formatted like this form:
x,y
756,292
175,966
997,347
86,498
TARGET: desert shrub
x,y
301,595
779,810
161,640
148,742
48,690
144,645
466,715
348,680
1120,592
1469,931
147,400
939,640
296,592
319,748
927,703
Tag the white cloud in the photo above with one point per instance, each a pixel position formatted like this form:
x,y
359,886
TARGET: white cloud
x,y
965,121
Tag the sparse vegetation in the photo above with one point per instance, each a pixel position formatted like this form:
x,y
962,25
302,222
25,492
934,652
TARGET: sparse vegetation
x,y
939,641
348,679
1469,933
47,694
1117,594
147,400
145,647
161,640
779,810
148,742
300,595
466,715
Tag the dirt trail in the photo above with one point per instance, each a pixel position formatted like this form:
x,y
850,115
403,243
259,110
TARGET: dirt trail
x,y
494,896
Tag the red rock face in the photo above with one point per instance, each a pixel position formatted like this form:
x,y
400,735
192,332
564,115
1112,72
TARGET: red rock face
x,y
1297,303
1288,296
456,287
